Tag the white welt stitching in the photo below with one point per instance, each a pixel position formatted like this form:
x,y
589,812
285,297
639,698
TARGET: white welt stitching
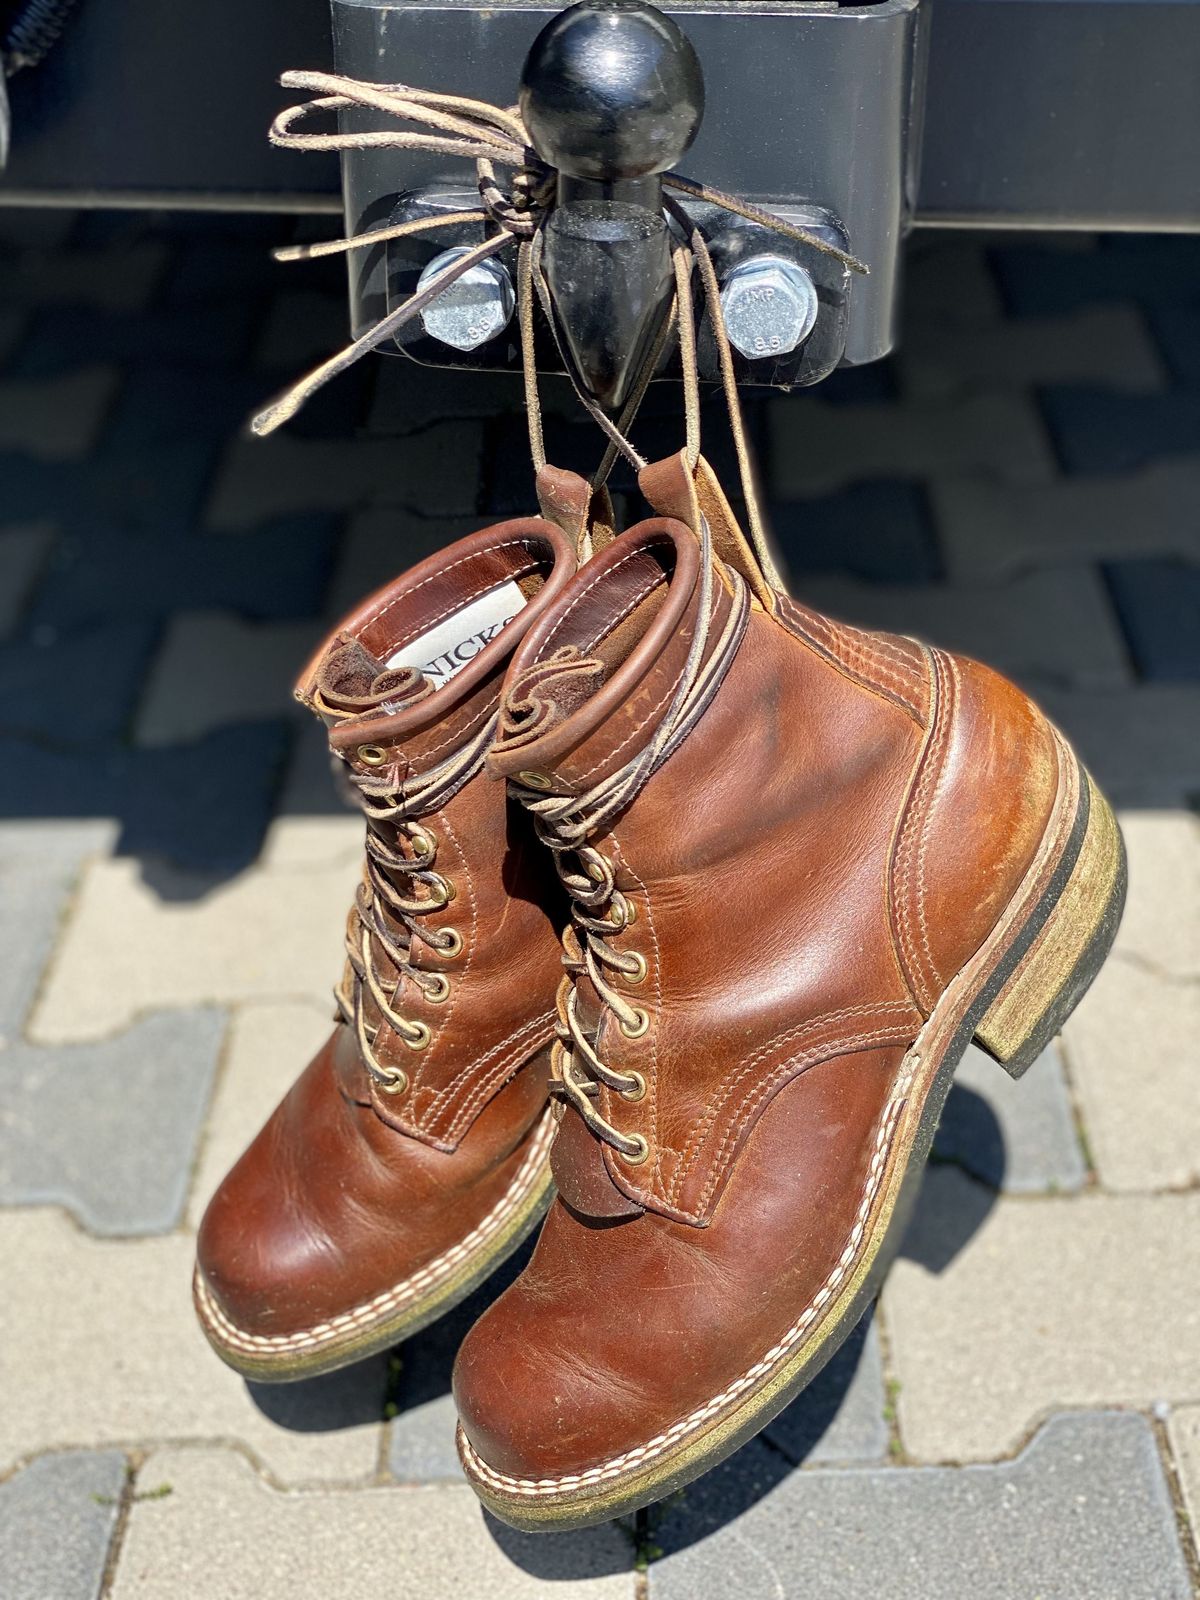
x,y
369,1312
532,1487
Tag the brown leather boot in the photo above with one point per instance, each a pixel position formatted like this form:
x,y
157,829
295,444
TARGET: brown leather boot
x,y
808,865
411,1156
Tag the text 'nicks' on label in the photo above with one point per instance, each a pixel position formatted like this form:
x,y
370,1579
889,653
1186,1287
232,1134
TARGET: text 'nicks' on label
x,y
455,642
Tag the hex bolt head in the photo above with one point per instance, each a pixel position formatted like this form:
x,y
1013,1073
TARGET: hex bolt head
x,y
770,306
475,308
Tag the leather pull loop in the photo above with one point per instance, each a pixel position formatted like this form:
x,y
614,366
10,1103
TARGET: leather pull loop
x,y
675,490
583,513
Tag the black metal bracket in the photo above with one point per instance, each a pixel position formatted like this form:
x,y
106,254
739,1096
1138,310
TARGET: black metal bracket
x,y
812,110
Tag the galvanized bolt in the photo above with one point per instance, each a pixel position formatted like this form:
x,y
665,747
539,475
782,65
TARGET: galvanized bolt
x,y
769,305
474,308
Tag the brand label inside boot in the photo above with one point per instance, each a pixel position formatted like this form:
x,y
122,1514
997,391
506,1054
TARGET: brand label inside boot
x,y
458,639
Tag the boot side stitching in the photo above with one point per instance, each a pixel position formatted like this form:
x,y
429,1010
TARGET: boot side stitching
x,y
691,1150
952,704
509,544
588,589
929,761
533,1487
319,1334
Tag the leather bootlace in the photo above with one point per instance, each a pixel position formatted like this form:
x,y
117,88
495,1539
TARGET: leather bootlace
x,y
400,888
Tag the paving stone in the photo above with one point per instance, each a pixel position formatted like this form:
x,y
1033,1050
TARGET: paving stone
x,y
39,863
1158,603
421,1436
991,531
1018,1137
302,327
117,278
213,668
1131,1048
212,268
1063,1302
949,281
1141,744
1109,346
815,449
1161,925
1110,433
267,1048
109,1130
23,554
104,572
879,532
1183,1431
408,397
839,1417
380,544
1054,626
57,1518
77,690
1083,1513
203,806
109,1350
265,935
1152,271
437,469
207,336
56,419
433,1542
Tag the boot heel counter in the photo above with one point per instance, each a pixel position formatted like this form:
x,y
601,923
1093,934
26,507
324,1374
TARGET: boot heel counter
x,y
980,800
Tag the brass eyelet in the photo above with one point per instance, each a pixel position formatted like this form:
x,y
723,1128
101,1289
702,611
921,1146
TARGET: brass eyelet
x,y
396,1084
422,840
595,872
453,943
423,1037
636,1157
640,969
628,910
437,988
636,1090
637,1029
535,780
372,755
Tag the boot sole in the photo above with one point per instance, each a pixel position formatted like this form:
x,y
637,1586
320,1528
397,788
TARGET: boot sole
x,y
1011,997
406,1307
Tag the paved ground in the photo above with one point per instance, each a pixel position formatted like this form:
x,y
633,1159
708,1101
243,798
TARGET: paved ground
x,y
1023,481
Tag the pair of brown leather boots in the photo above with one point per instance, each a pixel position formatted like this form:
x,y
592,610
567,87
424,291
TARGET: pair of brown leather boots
x,y
737,884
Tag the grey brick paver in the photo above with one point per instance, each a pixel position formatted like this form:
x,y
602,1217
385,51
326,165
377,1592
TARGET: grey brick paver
x,y
23,552
839,1417
1000,1312
222,1534
1142,744
993,531
1055,626
1183,1431
1132,1051
39,863
56,419
383,542
101,1345
116,278
1083,1513
816,448
57,1518
212,668
265,935
1103,345
434,470
109,1129
1018,1137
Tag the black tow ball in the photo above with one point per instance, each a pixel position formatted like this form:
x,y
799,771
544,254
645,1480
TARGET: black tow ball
x,y
612,96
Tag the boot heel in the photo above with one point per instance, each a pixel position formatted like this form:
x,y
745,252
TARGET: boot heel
x,y
1054,972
